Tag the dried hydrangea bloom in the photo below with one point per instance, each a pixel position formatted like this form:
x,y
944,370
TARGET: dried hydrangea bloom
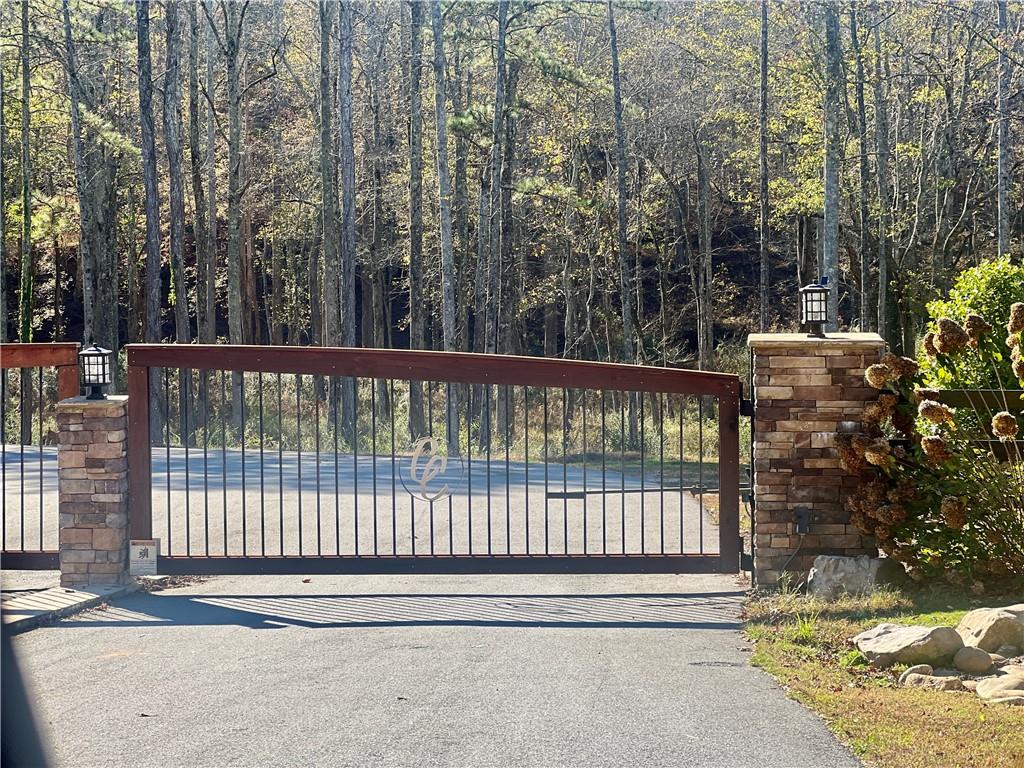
x,y
1016,322
877,375
904,492
936,413
1004,426
882,532
904,423
929,345
954,512
899,367
976,329
1018,368
950,337
926,394
935,448
878,452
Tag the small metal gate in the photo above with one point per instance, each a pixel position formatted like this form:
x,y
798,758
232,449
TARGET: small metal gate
x,y
247,459
46,373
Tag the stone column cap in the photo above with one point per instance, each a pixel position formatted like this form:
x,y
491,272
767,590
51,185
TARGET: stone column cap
x,y
82,402
804,341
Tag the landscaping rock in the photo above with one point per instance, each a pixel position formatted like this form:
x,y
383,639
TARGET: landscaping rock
x,y
832,575
934,681
996,658
969,685
1014,670
889,644
973,661
917,669
1008,651
1000,688
989,628
1017,610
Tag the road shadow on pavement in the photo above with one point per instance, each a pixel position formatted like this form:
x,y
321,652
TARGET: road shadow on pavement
x,y
711,611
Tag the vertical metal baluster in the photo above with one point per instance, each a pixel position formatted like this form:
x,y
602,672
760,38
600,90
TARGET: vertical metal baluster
x,y
334,430
700,471
167,450
661,463
223,456
508,488
565,470
547,550
373,454
682,460
21,439
206,461
643,477
454,419
622,460
3,464
184,398
526,463
604,475
583,410
280,463
355,468
298,450
241,390
469,469
40,457
487,410
316,446
430,431
394,490
263,503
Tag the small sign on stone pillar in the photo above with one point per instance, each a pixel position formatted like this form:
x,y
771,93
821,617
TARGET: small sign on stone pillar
x,y
92,464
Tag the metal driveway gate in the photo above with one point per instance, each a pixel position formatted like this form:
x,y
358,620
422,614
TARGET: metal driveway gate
x,y
247,459
33,377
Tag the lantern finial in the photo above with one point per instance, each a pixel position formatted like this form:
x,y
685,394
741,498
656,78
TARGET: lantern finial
x,y
814,308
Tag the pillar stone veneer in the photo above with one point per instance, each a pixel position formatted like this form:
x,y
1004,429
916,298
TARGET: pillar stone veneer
x,y
806,389
93,483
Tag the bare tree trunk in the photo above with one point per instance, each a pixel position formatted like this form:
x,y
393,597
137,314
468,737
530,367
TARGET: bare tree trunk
x,y
211,188
27,265
833,149
461,206
763,172
328,183
417,305
1004,160
3,207
204,320
85,256
152,205
445,226
862,141
348,206
882,169
176,185
625,269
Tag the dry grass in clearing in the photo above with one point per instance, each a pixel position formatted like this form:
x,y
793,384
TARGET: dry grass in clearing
x,y
804,643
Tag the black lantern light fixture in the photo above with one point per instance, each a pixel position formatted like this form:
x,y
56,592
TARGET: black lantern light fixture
x,y
814,308
96,370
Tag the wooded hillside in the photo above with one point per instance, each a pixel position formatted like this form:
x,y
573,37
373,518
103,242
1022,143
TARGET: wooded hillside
x,y
623,180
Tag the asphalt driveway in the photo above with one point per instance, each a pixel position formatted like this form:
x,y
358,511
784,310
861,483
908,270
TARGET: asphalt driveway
x,y
418,671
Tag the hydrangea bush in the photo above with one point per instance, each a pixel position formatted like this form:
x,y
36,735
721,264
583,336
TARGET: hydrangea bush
x,y
936,494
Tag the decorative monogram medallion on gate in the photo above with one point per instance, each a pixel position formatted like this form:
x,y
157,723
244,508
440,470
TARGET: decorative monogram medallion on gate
x,y
428,475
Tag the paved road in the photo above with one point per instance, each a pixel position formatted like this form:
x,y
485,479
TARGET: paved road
x,y
288,503
418,671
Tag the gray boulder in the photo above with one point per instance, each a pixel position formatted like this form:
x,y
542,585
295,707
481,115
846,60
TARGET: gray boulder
x,y
1003,689
934,682
990,628
889,644
833,575
917,669
973,661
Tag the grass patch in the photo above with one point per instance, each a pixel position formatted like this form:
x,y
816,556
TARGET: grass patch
x,y
804,643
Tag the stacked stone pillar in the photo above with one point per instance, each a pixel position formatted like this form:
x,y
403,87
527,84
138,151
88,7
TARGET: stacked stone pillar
x,y
806,390
93,483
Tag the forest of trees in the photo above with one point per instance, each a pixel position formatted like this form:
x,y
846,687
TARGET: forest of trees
x,y
624,180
